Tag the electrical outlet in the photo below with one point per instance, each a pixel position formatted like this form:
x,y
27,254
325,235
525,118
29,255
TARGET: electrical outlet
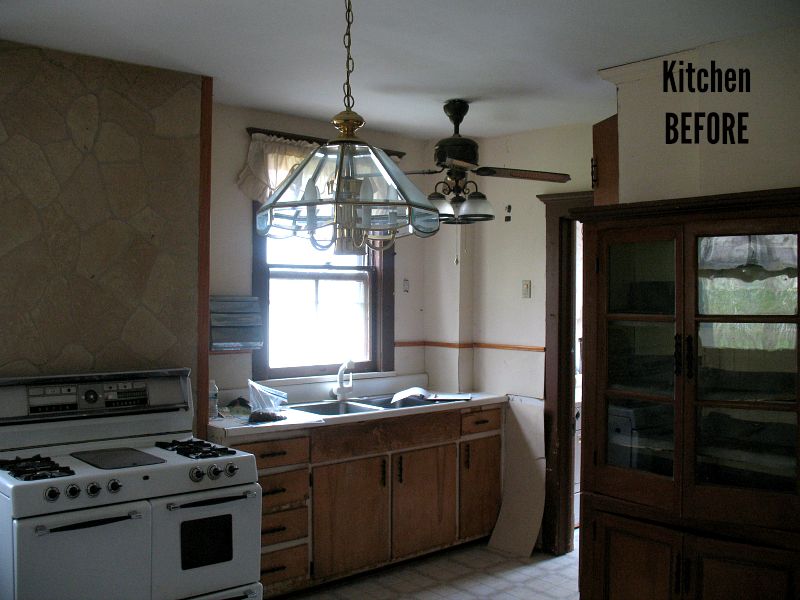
x,y
406,285
526,288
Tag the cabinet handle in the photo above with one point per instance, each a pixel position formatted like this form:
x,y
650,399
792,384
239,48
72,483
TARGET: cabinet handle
x,y
689,357
481,422
594,172
466,456
399,469
272,454
678,354
277,529
273,491
383,472
678,574
275,569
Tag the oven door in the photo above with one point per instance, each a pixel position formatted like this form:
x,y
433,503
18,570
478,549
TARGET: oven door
x,y
93,553
206,541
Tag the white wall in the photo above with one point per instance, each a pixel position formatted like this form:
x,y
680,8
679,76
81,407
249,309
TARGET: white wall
x,y
650,169
479,299
231,237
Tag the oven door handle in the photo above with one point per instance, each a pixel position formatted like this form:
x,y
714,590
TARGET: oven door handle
x,y
171,506
44,530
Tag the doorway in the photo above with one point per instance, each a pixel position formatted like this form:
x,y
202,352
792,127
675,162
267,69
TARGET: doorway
x,y
562,366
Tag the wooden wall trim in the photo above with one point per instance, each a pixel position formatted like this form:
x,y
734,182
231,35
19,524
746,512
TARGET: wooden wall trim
x,y
203,258
484,345
559,416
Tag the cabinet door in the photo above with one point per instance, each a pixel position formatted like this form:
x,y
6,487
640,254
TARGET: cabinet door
x,y
350,516
726,571
636,560
480,489
741,377
632,307
423,500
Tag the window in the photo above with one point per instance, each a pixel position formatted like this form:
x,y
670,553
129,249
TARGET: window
x,y
320,309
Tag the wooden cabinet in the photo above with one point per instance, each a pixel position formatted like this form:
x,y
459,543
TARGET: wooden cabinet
x,y
351,516
423,500
641,560
691,394
605,161
284,481
480,486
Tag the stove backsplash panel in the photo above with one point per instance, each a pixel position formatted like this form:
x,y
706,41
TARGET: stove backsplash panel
x,y
99,180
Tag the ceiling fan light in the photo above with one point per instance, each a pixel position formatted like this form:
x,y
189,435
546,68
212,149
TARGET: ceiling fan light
x,y
443,207
475,208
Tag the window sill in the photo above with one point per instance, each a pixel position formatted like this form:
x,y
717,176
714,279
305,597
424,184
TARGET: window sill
x,y
289,381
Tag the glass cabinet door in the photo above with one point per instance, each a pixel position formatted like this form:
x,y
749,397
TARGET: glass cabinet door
x,y
638,282
743,389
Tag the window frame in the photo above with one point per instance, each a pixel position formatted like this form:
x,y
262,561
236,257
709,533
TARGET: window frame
x,y
381,314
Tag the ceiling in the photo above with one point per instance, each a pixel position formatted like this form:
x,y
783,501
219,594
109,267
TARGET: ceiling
x,y
523,64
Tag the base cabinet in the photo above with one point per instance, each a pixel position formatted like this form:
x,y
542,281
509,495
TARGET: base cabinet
x,y
632,560
423,500
479,475
350,516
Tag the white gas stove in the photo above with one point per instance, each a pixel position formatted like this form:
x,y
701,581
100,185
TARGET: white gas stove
x,y
105,494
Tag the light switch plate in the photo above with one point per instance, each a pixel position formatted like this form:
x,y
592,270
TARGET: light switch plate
x,y
526,288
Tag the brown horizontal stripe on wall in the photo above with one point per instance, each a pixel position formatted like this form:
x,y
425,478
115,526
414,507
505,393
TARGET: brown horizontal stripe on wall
x,y
519,348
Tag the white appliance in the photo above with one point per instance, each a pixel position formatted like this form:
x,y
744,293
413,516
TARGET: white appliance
x,y
105,494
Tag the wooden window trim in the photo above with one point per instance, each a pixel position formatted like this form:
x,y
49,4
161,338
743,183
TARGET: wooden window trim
x,y
381,316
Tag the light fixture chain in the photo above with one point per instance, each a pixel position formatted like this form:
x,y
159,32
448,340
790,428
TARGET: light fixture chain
x,y
349,64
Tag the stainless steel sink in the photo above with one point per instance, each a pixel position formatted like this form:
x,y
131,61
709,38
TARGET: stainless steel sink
x,y
385,402
333,407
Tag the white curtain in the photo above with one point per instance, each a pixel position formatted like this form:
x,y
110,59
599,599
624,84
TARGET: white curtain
x,y
269,161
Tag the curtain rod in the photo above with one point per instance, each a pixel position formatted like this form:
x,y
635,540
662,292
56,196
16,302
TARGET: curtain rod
x,y
308,138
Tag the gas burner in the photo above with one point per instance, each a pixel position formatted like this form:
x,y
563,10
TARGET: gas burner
x,y
34,468
196,449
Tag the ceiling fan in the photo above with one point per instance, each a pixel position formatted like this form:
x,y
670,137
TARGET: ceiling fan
x,y
459,156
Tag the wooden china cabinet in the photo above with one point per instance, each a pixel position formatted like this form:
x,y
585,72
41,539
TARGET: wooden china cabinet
x,y
690,399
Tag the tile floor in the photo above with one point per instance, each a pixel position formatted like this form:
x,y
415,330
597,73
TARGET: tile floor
x,y
464,573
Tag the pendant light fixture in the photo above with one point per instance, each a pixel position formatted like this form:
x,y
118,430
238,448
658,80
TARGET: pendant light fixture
x,y
347,193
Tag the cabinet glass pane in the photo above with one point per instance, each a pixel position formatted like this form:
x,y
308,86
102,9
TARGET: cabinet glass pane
x,y
747,361
640,356
641,277
747,448
641,436
747,275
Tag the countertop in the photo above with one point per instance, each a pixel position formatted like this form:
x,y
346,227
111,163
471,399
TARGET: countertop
x,y
234,430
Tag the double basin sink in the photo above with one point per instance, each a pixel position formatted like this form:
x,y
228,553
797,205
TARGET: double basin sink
x,y
359,405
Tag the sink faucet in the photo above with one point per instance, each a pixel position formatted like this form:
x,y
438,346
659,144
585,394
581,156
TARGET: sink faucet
x,y
343,389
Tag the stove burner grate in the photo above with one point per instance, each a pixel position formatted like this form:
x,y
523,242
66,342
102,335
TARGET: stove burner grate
x,y
34,468
196,449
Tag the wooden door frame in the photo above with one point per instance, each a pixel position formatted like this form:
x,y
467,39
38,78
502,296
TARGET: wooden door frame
x,y
559,415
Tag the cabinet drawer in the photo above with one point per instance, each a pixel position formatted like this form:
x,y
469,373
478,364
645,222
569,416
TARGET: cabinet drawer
x,y
482,420
277,453
280,489
291,563
284,526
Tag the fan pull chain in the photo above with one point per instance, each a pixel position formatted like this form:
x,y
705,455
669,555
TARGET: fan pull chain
x,y
349,63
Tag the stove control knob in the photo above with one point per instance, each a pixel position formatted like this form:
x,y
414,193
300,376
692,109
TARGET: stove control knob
x,y
72,491
51,494
114,486
93,489
91,396
214,472
230,469
196,474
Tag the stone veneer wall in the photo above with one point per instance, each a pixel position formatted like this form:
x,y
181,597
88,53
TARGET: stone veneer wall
x,y
99,180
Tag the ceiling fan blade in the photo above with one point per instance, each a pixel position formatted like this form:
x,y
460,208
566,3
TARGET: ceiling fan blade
x,y
522,174
454,163
424,172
